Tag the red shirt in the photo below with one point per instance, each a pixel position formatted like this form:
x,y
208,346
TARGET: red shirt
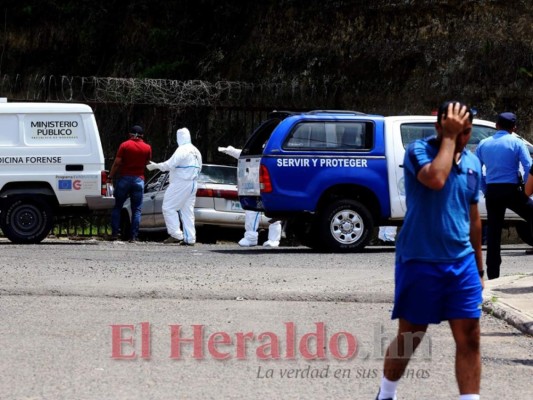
x,y
135,154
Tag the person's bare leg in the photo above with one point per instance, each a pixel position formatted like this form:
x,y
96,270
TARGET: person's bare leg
x,y
402,348
466,333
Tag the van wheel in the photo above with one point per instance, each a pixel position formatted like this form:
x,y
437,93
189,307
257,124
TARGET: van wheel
x,y
27,219
525,232
345,226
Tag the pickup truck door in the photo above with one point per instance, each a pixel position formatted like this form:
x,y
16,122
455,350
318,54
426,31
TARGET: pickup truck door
x,y
404,130
399,132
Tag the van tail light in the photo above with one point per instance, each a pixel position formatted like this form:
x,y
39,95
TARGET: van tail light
x,y
222,194
265,183
103,188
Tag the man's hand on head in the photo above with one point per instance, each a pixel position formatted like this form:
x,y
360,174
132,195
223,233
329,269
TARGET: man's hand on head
x,y
454,121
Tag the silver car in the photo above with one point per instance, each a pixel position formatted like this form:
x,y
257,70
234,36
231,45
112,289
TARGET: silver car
x,y
217,203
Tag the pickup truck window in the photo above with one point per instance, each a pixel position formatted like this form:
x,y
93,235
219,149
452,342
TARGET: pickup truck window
x,y
331,136
413,131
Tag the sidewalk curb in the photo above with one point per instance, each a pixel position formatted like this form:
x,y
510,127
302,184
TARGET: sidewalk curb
x,y
507,313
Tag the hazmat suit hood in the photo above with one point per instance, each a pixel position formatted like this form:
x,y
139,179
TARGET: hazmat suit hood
x,y
183,136
186,162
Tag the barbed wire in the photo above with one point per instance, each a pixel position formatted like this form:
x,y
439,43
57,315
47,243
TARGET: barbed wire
x,y
154,91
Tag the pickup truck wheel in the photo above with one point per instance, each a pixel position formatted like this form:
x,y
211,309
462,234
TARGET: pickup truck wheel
x,y
525,232
345,225
27,219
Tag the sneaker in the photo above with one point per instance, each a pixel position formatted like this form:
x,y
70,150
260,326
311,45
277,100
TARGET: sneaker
x,y
172,239
133,240
246,243
377,397
271,243
182,243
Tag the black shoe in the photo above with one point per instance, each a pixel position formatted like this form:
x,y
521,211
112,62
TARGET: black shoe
x,y
186,244
133,240
171,240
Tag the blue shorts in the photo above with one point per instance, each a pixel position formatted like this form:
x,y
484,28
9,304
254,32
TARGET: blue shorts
x,y
428,293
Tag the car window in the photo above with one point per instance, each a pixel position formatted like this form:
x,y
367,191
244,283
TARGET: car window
x,y
331,136
156,182
478,134
413,131
218,174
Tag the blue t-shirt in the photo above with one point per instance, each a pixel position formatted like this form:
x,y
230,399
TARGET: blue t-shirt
x,y
436,227
501,155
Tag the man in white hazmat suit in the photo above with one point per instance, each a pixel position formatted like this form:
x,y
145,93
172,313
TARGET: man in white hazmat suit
x,y
252,218
184,166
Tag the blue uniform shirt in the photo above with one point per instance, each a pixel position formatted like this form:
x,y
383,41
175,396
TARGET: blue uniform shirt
x,y
501,154
437,222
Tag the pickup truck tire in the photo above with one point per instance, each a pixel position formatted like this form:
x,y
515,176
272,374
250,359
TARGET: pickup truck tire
x,y
345,226
525,232
26,219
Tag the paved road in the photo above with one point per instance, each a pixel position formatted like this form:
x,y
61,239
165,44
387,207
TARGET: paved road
x,y
59,300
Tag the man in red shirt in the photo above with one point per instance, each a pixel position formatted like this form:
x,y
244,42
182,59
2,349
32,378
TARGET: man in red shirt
x,y
128,175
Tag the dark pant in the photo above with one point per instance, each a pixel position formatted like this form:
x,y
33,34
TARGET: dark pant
x,y
499,197
131,187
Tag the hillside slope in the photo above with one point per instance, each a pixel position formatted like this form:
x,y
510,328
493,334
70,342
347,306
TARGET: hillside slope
x,y
398,56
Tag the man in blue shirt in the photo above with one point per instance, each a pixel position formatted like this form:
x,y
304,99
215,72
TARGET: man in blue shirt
x,y
439,263
502,155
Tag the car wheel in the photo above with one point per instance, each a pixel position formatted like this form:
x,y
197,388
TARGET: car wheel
x,y
345,226
27,219
525,232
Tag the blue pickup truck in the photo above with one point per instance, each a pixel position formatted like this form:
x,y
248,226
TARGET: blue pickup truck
x,y
335,175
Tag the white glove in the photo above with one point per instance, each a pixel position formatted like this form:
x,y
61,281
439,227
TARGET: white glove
x,y
230,151
152,166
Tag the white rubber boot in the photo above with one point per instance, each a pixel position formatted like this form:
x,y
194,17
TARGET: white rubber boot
x,y
274,235
244,242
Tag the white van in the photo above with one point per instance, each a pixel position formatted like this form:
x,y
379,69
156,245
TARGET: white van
x,y
51,163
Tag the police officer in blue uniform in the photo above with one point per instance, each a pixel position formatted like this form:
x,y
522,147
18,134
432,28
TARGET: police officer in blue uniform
x,y
502,155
